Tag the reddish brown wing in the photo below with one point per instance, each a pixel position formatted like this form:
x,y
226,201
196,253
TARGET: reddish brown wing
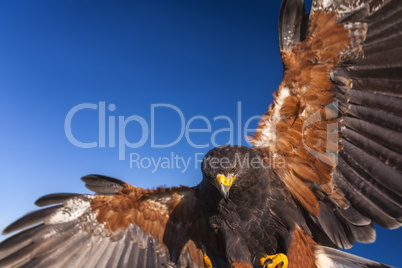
x,y
294,131
121,226
333,132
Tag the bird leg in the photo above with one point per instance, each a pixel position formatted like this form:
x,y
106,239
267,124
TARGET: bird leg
x,y
274,261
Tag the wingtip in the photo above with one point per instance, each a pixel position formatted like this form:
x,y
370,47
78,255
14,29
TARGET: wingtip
x,y
90,177
99,178
5,231
52,199
290,23
30,219
11,228
329,256
103,184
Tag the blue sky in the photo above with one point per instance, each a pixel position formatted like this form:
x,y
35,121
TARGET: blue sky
x,y
210,64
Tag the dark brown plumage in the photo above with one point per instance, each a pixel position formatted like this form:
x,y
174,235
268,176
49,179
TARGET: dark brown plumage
x,y
335,127
259,214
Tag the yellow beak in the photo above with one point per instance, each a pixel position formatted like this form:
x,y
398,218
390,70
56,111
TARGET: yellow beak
x,y
223,184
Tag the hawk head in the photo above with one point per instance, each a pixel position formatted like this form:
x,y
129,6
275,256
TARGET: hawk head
x,y
228,167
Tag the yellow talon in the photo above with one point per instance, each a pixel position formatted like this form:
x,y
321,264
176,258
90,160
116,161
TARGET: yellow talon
x,y
274,261
207,262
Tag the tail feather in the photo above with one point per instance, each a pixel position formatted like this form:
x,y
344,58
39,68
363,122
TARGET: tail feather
x,y
333,258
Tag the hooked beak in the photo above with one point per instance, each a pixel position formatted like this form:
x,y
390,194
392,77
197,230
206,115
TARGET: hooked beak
x,y
223,184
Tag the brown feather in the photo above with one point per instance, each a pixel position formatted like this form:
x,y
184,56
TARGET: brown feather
x,y
297,125
301,250
137,206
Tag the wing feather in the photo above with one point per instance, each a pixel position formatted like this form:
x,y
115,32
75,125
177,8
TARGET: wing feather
x,y
290,23
120,226
336,119
31,219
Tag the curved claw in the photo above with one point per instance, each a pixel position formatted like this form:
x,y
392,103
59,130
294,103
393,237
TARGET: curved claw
x,y
274,261
207,262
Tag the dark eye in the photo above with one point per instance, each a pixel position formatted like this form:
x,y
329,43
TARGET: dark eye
x,y
233,170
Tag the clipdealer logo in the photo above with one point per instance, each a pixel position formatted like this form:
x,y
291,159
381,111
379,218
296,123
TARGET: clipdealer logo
x,y
111,126
115,126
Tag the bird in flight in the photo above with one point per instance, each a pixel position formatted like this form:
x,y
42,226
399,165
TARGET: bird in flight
x,y
324,167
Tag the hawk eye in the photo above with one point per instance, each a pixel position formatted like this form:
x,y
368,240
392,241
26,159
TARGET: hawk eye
x,y
233,170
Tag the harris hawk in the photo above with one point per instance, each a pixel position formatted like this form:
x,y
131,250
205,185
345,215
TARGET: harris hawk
x,y
326,164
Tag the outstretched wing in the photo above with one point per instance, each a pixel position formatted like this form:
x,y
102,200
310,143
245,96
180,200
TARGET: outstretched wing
x,y
120,226
333,133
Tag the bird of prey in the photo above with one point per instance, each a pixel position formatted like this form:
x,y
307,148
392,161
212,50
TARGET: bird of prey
x,y
325,166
